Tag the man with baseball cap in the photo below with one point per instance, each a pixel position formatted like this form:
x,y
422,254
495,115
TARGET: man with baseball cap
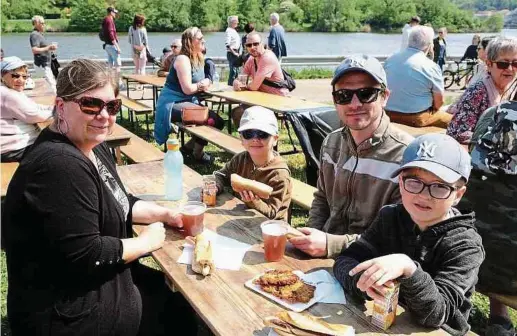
x,y
426,244
356,161
110,38
259,134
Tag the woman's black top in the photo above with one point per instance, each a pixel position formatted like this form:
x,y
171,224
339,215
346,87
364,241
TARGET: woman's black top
x,y
62,228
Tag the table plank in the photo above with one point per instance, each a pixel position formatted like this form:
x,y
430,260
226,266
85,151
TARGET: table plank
x,y
273,102
146,79
8,169
221,299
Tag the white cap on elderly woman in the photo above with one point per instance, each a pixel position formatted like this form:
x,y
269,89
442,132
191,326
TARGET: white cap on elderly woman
x,y
260,118
12,63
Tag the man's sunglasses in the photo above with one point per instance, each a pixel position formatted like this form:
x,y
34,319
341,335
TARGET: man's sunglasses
x,y
254,44
16,76
365,95
174,46
94,106
253,133
436,190
505,65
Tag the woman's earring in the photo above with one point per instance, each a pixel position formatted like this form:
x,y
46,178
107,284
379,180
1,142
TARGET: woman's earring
x,y
62,121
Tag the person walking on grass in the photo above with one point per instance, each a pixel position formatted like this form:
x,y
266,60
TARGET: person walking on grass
x,y
111,45
276,38
41,50
233,47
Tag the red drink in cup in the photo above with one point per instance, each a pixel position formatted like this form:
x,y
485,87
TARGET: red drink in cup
x,y
193,216
274,236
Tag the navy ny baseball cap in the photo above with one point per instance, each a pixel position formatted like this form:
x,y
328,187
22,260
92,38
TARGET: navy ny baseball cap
x,y
363,63
439,154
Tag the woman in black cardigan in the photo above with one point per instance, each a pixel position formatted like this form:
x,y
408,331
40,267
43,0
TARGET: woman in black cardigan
x,y
72,260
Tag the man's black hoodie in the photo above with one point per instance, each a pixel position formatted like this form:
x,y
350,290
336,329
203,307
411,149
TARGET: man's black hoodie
x,y
447,255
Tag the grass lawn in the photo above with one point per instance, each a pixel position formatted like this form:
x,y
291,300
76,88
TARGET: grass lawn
x,y
296,163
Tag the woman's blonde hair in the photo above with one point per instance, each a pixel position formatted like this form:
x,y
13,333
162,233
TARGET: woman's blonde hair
x,y
187,47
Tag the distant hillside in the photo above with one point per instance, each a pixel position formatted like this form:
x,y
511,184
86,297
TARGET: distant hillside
x,y
482,5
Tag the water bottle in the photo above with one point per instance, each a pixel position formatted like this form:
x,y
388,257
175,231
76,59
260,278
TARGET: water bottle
x,y
216,81
173,171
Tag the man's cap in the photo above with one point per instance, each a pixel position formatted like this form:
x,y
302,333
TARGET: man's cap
x,y
415,19
12,63
439,154
166,50
363,63
112,9
260,118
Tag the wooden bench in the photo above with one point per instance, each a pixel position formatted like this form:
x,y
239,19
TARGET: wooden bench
x,y
509,300
302,193
8,169
139,151
136,108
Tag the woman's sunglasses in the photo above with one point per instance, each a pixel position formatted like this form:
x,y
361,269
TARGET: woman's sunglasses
x,y
16,76
365,95
254,44
505,65
94,106
253,133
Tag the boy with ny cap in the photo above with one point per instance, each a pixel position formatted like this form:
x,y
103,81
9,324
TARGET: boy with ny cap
x,y
432,249
258,130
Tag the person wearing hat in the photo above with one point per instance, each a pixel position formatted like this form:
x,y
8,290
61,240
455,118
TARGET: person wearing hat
x,y
416,84
41,50
109,32
425,244
168,56
19,114
415,21
259,134
355,161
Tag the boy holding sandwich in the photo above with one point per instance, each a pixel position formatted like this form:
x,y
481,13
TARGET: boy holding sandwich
x,y
428,246
258,130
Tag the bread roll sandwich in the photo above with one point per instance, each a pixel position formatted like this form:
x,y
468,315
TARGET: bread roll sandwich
x,y
202,262
292,232
260,189
303,324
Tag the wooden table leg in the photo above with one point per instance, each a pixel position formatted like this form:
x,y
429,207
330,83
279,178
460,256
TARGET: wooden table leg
x,y
118,156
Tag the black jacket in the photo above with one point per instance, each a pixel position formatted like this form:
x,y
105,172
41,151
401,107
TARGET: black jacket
x,y
436,49
63,231
447,255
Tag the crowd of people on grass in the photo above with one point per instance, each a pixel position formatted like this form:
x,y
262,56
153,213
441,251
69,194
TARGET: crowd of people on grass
x,y
388,207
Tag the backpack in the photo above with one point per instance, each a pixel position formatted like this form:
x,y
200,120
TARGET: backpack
x,y
101,35
288,82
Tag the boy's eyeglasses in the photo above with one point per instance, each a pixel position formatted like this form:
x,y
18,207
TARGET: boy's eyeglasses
x,y
253,133
505,65
16,76
254,44
94,106
365,95
436,190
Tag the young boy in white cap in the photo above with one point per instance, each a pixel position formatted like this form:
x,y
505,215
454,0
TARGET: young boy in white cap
x,y
428,246
259,134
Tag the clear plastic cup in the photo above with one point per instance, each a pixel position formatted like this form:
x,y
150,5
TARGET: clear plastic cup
x,y
274,236
193,215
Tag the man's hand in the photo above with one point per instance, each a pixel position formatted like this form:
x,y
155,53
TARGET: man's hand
x,y
248,196
51,47
314,243
382,270
237,85
173,218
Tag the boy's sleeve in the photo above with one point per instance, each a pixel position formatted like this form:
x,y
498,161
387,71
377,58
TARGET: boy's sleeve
x,y
367,247
434,301
222,176
276,203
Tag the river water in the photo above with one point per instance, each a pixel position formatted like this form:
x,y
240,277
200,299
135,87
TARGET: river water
x,y
73,45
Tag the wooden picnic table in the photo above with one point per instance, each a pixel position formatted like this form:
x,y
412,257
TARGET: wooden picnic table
x,y
221,299
156,83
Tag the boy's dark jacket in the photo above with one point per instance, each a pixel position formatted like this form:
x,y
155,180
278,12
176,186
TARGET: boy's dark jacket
x,y
447,255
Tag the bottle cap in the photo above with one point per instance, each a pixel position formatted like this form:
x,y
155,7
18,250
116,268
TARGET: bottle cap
x,y
173,144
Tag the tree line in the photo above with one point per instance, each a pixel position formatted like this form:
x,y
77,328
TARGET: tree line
x,y
295,15
483,5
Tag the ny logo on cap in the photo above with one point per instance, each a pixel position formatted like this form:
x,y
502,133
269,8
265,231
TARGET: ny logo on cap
x,y
355,62
426,149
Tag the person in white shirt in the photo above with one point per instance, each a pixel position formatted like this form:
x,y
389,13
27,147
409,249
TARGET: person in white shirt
x,y
233,46
415,21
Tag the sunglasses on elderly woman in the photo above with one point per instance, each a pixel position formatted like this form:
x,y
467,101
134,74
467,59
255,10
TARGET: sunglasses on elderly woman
x,y
94,106
365,95
505,65
253,133
16,76
254,44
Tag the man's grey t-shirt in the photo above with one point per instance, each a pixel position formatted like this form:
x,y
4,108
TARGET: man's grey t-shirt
x,y
38,40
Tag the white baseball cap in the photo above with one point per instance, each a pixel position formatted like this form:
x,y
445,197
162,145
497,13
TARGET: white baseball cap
x,y
260,118
12,63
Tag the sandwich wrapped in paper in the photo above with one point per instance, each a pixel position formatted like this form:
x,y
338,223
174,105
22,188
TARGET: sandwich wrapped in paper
x,y
302,324
202,262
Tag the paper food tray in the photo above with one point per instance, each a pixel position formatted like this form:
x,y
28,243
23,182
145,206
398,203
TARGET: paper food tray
x,y
296,307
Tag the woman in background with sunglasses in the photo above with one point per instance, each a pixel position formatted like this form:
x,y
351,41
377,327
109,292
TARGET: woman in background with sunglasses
x,y
488,91
185,81
67,224
19,113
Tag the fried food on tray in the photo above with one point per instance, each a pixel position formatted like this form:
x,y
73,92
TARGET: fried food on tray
x,y
277,278
281,285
